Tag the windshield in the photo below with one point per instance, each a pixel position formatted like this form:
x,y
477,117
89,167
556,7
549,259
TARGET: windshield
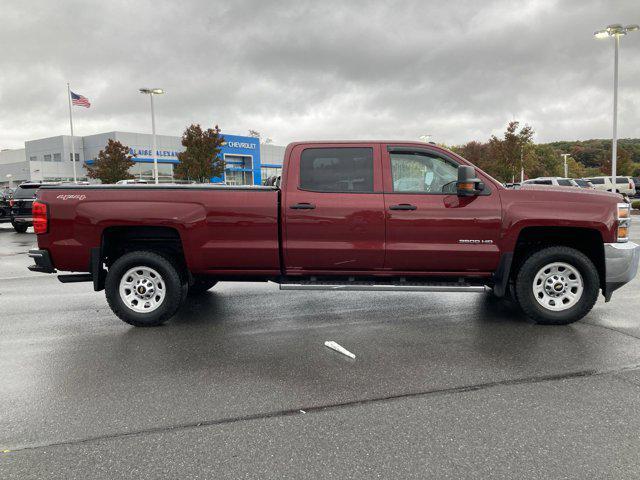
x,y
26,191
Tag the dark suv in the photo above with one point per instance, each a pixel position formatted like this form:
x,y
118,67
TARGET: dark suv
x,y
21,206
636,182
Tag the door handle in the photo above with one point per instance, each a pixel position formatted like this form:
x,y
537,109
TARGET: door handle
x,y
403,206
302,206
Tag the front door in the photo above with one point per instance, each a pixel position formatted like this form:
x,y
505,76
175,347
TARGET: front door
x,y
333,209
428,227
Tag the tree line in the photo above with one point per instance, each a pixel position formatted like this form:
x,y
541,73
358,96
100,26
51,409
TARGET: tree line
x,y
503,157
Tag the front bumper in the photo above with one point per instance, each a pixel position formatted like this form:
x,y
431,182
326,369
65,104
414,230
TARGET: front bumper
x,y
43,262
621,265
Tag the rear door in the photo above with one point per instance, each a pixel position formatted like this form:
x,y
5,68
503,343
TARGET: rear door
x,y
428,227
333,209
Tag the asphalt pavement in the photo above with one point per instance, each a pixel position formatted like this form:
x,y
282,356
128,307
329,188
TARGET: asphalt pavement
x,y
240,385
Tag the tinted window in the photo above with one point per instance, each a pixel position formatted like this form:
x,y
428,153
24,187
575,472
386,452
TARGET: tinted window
x,y
564,182
597,181
27,191
423,173
337,169
543,182
622,180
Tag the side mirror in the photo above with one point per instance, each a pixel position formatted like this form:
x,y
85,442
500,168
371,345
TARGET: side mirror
x,y
468,184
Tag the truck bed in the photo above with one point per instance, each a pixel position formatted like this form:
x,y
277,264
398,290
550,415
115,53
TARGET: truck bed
x,y
223,229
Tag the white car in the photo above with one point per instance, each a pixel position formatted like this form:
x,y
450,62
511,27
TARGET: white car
x,y
553,181
624,185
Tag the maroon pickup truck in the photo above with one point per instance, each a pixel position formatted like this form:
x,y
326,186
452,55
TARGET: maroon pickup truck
x,y
369,216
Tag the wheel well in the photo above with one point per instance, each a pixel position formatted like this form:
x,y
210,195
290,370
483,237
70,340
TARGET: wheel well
x,y
585,240
116,241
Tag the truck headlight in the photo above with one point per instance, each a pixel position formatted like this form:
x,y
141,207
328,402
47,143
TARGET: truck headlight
x,y
624,221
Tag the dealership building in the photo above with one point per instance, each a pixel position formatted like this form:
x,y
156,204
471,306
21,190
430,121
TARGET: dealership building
x,y
248,162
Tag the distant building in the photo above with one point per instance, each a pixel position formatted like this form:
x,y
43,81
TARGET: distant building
x,y
49,159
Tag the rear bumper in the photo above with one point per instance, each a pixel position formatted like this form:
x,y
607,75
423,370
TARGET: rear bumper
x,y
43,262
621,265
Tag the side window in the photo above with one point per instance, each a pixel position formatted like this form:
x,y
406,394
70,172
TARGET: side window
x,y
565,183
422,173
337,169
597,181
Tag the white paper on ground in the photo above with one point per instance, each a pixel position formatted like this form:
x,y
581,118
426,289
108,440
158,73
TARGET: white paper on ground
x,y
339,348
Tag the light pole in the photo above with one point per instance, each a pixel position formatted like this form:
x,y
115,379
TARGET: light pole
x,y
566,168
151,92
616,31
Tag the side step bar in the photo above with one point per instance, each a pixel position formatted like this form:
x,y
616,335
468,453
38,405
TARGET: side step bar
x,y
386,288
75,278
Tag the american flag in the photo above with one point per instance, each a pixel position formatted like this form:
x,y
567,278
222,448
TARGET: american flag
x,y
80,100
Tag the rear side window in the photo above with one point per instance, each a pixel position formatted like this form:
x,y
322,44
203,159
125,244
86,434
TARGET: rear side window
x,y
597,181
565,183
337,169
25,192
543,182
622,180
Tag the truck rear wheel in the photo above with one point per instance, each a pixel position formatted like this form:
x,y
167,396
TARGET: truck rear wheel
x,y
557,286
144,288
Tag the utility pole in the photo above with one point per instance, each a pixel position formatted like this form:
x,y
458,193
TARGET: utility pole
x,y
566,167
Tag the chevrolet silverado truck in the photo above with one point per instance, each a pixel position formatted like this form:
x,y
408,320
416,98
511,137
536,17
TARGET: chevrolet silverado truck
x,y
346,216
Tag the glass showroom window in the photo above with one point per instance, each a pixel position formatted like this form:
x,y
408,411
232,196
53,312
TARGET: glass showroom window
x,y
47,158
77,157
270,172
57,157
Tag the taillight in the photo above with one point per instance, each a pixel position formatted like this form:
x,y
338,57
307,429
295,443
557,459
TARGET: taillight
x,y
11,202
40,220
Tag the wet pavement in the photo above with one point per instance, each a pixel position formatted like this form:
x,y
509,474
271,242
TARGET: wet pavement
x,y
240,385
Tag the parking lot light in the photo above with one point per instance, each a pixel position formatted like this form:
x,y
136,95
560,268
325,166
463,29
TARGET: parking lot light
x,y
615,31
151,92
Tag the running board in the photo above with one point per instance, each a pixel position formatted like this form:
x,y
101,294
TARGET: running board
x,y
386,288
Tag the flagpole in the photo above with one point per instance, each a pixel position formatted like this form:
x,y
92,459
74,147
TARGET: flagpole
x,y
73,149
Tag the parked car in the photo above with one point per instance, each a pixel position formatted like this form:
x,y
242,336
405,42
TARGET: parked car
x,y
5,208
624,185
21,204
132,181
636,182
582,183
551,181
367,216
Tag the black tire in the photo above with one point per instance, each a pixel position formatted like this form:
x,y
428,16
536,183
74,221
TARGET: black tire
x,y
175,288
20,227
201,285
526,277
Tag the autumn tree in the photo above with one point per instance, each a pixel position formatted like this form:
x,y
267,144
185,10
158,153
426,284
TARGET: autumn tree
x,y
113,163
513,150
201,158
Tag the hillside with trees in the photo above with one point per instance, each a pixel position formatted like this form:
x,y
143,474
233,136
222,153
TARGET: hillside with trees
x,y
502,157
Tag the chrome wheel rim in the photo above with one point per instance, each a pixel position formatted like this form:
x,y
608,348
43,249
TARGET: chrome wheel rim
x,y
558,286
142,289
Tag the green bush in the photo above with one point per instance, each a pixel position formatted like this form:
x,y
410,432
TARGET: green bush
x,y
635,204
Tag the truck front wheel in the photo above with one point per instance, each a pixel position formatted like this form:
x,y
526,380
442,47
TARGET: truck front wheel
x,y
557,286
144,288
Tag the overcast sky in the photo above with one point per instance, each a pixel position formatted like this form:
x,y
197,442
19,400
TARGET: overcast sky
x,y
294,70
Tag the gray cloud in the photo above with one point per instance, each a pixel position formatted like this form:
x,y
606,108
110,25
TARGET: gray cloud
x,y
458,70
